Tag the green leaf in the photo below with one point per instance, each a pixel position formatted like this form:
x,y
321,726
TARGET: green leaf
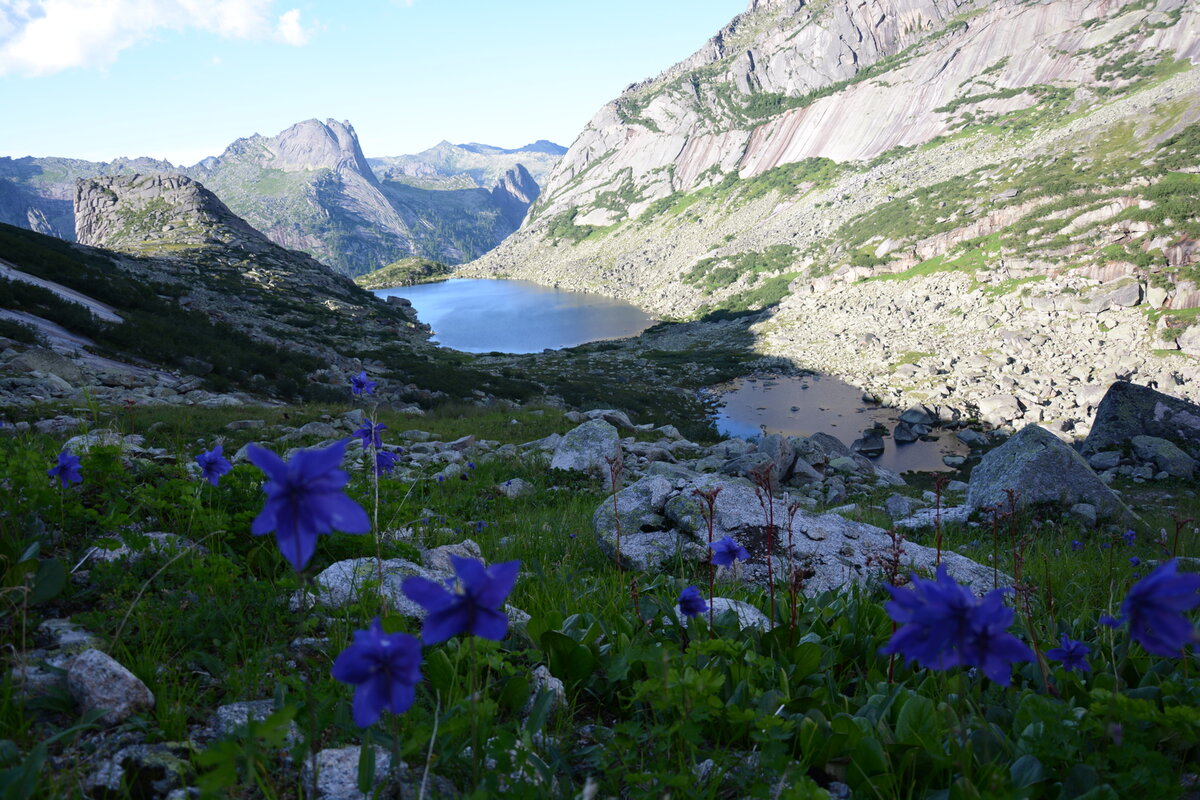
x,y
1080,781
917,723
1026,771
540,712
366,768
49,582
515,693
439,671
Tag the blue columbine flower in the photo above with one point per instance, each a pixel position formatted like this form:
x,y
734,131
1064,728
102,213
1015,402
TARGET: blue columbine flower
x,y
1134,560
1129,537
1076,545
370,434
472,604
361,384
384,668
934,616
691,603
213,465
385,462
726,551
305,499
989,646
67,469
943,625
1072,654
1154,610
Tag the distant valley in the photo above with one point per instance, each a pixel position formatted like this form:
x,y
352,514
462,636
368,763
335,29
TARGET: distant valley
x,y
311,188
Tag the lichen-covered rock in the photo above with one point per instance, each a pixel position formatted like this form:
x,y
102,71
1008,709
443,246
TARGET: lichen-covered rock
x,y
98,682
587,448
140,770
1130,410
1164,455
640,507
1041,469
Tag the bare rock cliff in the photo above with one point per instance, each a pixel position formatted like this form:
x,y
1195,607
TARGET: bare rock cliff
x,y
846,80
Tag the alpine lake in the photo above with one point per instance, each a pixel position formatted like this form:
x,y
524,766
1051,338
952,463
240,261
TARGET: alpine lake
x,y
476,315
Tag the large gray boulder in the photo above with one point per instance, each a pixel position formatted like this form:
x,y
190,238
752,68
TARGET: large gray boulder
x,y
1130,410
587,448
1042,469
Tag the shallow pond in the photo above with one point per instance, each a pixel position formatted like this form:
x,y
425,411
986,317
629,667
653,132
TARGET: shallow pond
x,y
802,406
483,315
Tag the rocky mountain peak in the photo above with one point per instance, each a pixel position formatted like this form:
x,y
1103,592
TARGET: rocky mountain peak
x,y
306,146
147,212
515,192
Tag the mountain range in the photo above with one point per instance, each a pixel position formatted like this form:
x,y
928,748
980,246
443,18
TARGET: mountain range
x,y
311,188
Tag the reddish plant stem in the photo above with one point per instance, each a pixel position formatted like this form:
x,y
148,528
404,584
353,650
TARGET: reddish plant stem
x,y
709,496
939,483
761,477
793,577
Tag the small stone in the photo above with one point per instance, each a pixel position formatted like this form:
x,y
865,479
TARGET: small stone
x,y
1085,513
514,488
98,682
337,773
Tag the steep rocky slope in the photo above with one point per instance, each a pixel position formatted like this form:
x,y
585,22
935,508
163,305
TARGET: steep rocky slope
x,y
311,188
829,161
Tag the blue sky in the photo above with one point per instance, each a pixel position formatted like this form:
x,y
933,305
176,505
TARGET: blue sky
x,y
181,79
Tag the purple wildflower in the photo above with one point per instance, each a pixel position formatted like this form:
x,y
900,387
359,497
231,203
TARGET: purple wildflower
x,y
370,434
1129,537
691,603
213,465
66,469
1154,610
1072,655
361,384
473,603
385,462
384,668
305,498
1076,545
726,551
943,625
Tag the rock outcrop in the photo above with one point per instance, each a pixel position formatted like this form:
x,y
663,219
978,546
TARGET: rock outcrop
x,y
142,211
515,193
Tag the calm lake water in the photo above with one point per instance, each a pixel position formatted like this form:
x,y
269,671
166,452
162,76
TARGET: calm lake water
x,y
483,315
810,404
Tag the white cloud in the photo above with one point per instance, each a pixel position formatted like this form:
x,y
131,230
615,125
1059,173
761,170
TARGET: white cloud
x,y
39,37
290,30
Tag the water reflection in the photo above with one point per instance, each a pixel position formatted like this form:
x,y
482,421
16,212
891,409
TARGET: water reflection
x,y
802,406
